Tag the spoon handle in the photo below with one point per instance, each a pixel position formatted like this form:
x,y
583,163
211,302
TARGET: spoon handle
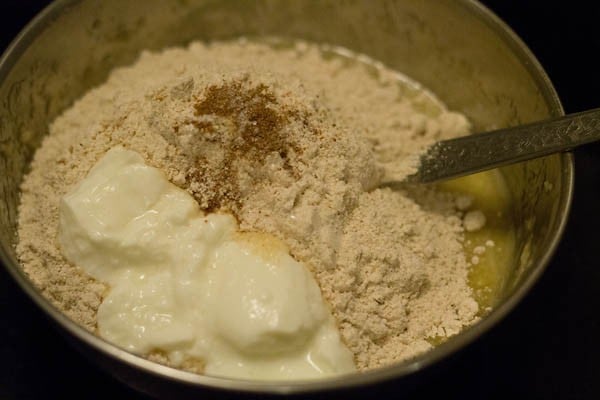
x,y
478,152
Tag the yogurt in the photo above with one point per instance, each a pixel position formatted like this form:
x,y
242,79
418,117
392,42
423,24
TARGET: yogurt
x,y
191,285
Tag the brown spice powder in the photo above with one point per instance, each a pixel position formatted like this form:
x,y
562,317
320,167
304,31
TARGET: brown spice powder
x,y
257,122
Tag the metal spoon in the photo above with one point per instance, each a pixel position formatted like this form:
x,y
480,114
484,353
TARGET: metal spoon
x,y
481,151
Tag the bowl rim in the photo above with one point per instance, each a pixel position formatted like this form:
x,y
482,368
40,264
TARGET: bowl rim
x,y
49,14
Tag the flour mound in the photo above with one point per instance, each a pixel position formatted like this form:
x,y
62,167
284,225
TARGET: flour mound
x,y
291,143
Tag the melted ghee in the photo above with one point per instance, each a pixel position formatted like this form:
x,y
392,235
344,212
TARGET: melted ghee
x,y
490,194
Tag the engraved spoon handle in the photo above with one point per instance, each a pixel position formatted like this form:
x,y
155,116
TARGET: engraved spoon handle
x,y
469,154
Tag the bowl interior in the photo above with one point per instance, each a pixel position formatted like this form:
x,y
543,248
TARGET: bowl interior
x,y
455,48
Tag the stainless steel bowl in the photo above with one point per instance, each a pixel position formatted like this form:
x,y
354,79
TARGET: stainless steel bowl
x,y
458,49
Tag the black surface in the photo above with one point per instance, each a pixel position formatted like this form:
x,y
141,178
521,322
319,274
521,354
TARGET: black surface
x,y
547,348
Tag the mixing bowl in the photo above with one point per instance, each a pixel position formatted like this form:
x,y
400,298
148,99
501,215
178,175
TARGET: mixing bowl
x,y
456,48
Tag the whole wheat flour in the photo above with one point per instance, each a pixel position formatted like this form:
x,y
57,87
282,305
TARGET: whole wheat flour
x,y
292,143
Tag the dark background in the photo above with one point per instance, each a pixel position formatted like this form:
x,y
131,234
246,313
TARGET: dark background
x,y
547,348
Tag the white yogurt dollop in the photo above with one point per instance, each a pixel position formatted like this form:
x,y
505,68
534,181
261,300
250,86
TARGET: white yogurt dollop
x,y
189,285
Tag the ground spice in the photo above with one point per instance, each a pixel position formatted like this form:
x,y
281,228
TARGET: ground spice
x,y
253,121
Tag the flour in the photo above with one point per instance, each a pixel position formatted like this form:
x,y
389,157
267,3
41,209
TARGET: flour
x,y
293,144
474,220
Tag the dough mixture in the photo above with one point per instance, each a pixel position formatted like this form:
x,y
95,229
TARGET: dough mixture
x,y
294,142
